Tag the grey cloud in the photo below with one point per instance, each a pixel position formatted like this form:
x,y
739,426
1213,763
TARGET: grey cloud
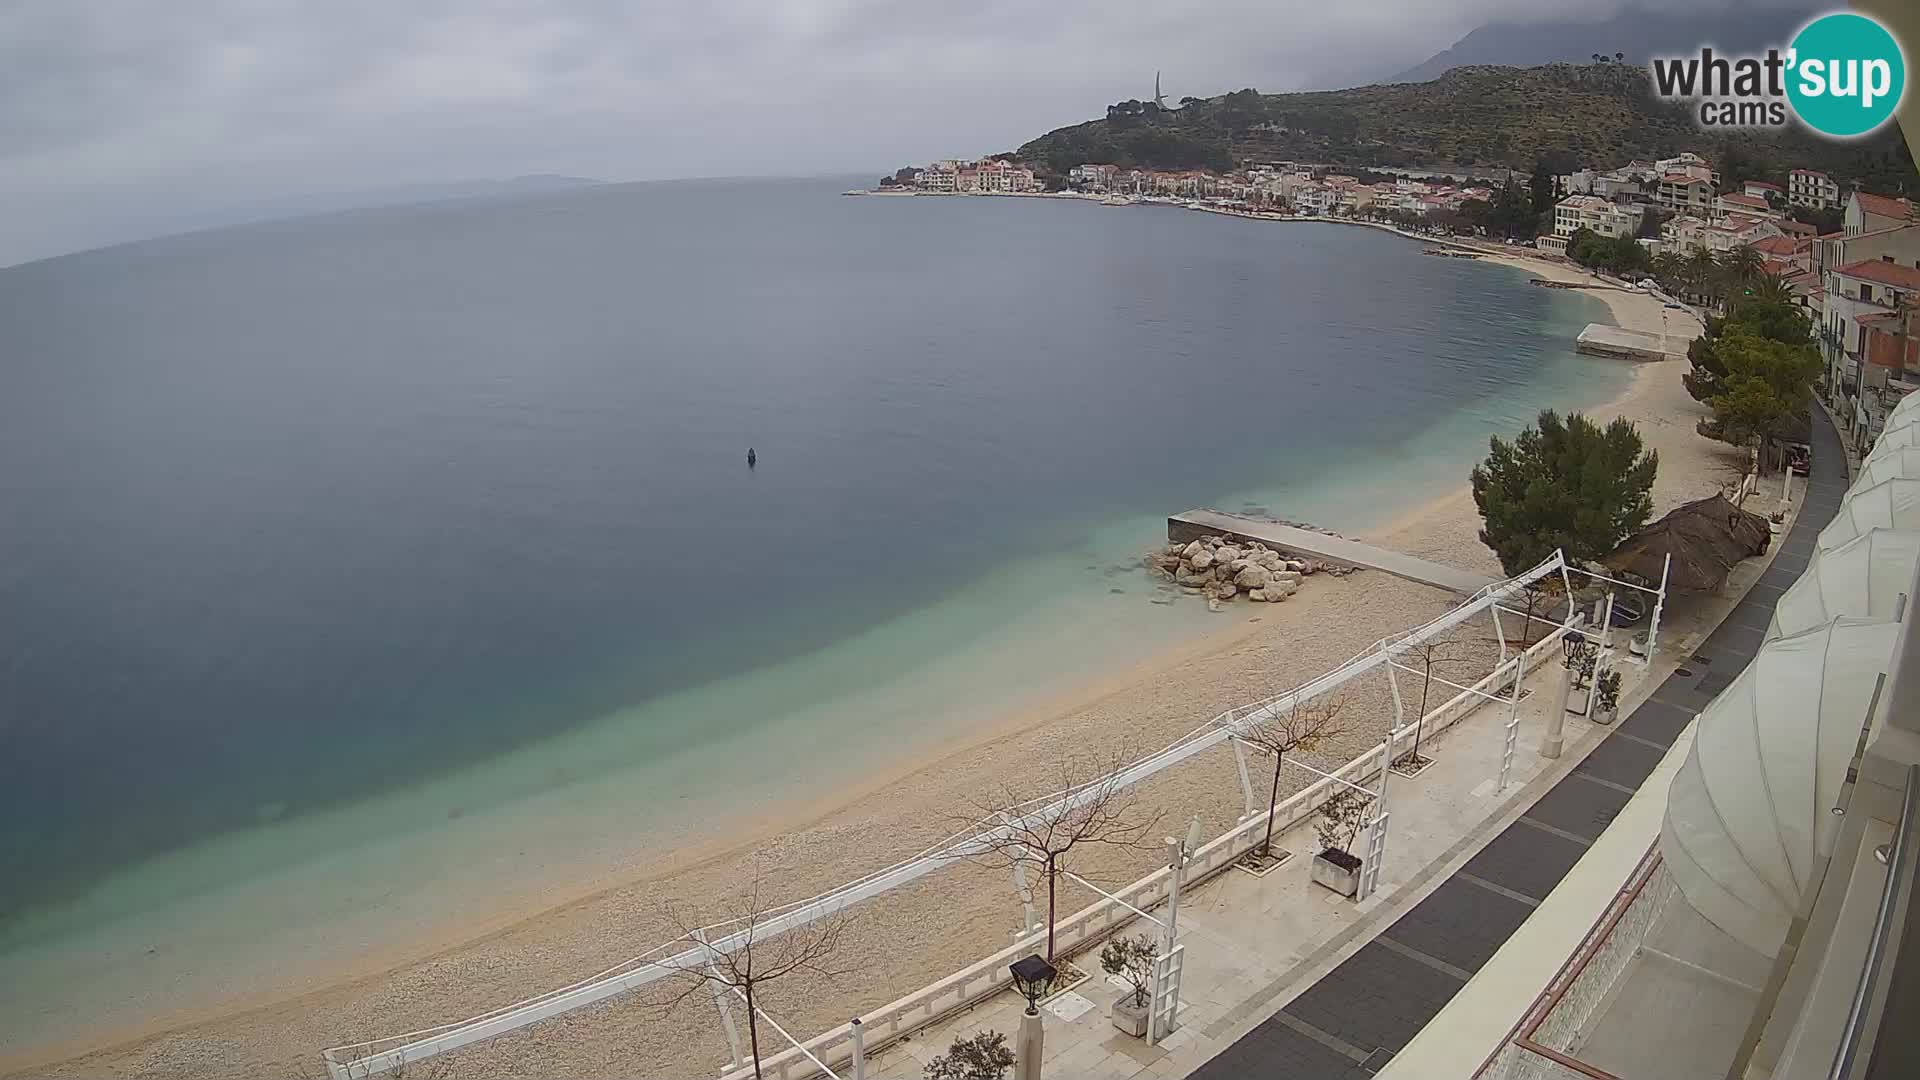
x,y
120,118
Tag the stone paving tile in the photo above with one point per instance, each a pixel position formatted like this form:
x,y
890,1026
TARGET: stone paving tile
x,y
1578,807
1526,860
1275,1050
1622,761
1460,923
1377,998
1659,721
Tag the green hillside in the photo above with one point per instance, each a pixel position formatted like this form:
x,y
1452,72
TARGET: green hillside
x,y
1568,115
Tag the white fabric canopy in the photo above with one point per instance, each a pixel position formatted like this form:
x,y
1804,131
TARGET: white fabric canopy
x,y
1749,811
1890,504
1907,406
1892,465
1863,577
1895,439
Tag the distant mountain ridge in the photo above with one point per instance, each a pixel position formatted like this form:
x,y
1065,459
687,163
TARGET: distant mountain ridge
x,y
1638,33
1561,115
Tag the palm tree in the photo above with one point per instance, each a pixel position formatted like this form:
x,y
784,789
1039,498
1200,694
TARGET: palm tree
x,y
1698,269
1771,288
1619,58
1743,264
1668,269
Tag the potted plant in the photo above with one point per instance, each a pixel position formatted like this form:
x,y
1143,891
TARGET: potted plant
x,y
1341,816
1606,698
984,1056
1131,959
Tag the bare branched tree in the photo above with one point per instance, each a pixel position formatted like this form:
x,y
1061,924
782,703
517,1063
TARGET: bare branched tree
x,y
1085,805
1441,652
1301,726
761,959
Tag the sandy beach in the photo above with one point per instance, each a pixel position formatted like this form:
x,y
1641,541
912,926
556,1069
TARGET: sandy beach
x,y
938,924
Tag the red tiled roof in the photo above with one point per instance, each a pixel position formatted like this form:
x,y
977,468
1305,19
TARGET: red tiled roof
x,y
1761,184
1882,206
1885,273
1754,201
1879,319
1808,172
1776,245
1800,227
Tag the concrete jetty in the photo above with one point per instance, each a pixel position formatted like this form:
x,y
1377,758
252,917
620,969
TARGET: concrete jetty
x,y
1599,339
1193,524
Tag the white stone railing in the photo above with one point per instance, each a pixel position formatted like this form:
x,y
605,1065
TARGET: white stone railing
x,y
1083,928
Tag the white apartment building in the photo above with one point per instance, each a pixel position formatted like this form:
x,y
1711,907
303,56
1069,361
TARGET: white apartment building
x,y
1809,187
1576,212
939,176
1684,193
1852,285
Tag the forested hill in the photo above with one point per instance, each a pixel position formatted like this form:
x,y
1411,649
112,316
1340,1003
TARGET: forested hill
x,y
1568,115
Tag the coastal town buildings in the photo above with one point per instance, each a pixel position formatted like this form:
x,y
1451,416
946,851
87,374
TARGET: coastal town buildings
x,y
1753,205
1608,218
992,176
1812,188
1870,278
1871,213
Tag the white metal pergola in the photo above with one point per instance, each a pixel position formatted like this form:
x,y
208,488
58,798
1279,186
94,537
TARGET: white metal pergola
x,y
366,1059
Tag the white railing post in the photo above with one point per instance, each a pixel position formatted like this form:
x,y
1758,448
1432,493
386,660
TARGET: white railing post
x,y
1513,720
726,1012
1246,782
1377,828
1659,603
1176,869
1026,898
859,1050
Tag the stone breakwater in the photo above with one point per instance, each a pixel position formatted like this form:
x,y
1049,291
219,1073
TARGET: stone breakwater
x,y
1221,569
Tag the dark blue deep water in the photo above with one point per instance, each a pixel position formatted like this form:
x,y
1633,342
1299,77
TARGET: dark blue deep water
x,y
293,513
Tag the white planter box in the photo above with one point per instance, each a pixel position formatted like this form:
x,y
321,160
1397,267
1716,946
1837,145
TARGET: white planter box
x,y
1129,1018
1334,876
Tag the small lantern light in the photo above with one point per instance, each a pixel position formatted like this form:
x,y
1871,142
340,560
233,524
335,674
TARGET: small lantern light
x,y
1574,644
1033,977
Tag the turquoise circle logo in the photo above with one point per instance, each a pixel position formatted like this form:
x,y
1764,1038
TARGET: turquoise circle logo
x,y
1847,75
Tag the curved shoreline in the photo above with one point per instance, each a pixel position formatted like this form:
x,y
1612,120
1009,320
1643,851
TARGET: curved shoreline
x,y
570,922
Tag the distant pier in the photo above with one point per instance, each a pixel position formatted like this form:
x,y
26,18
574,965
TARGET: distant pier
x,y
1194,524
1599,339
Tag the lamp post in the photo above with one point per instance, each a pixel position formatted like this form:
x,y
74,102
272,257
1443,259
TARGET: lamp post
x,y
1033,977
1574,644
1179,852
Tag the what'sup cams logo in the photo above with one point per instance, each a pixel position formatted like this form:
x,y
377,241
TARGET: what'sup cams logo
x,y
1843,76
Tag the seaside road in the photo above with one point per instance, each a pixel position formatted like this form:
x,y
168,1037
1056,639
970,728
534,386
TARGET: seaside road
x,y
1352,1021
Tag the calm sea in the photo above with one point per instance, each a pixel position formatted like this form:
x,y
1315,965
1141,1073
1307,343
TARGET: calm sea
x,y
339,534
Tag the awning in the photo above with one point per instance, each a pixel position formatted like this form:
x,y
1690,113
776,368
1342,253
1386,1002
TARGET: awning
x,y
1863,577
1749,813
1704,539
1893,465
1890,504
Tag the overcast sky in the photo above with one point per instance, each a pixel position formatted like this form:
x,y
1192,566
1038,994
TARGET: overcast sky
x,y
124,119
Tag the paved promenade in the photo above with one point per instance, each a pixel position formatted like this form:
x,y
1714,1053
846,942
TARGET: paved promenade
x,y
1352,1021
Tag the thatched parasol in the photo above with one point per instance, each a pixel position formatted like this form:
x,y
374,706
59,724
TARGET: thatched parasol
x,y
1706,539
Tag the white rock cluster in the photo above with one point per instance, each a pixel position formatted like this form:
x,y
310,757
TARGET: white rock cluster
x,y
1221,569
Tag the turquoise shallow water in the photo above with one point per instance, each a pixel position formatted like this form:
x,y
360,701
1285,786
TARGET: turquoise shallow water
x,y
417,546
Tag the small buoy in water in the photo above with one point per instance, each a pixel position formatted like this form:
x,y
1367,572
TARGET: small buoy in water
x,y
751,457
